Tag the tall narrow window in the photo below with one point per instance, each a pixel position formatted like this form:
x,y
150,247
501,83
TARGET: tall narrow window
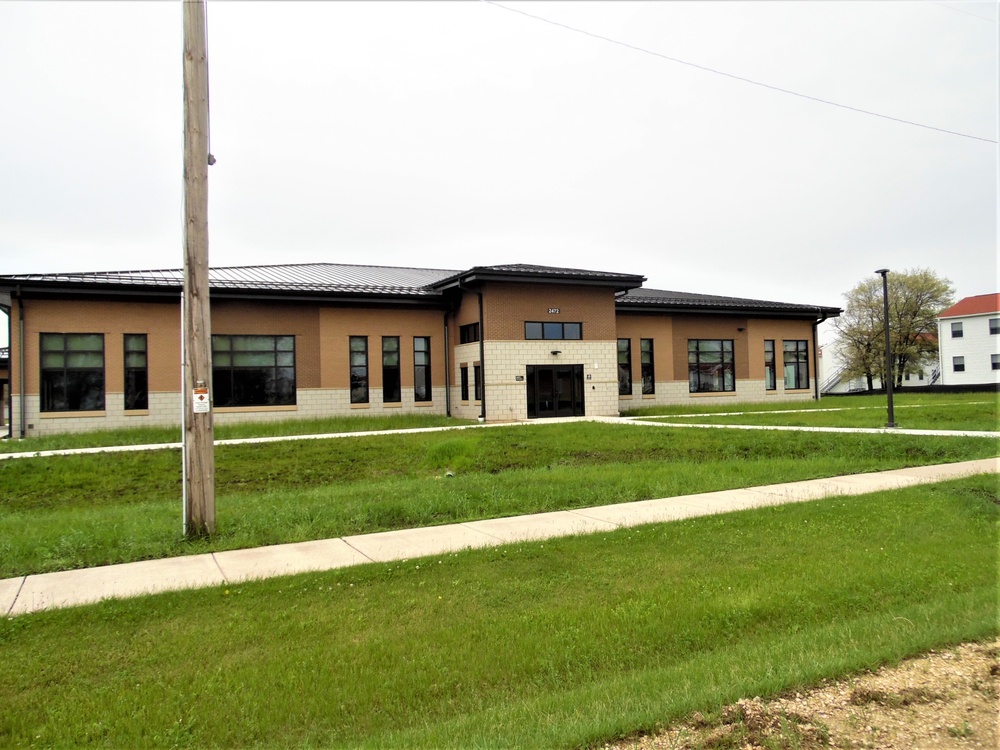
x,y
994,326
648,376
711,365
72,371
136,372
958,364
995,361
422,368
391,390
624,367
477,376
359,369
956,330
770,366
253,370
464,379
796,364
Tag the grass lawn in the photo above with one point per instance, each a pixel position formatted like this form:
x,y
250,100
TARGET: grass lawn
x,y
76,511
565,643
964,411
156,435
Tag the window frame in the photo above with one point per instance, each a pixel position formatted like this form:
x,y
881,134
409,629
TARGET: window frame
x,y
392,386
770,366
647,370
697,374
957,330
359,375
995,361
279,388
624,367
958,363
994,326
76,394
468,333
553,330
798,361
422,370
463,379
135,389
477,381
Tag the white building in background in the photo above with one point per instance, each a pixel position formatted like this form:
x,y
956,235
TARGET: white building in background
x,y
969,340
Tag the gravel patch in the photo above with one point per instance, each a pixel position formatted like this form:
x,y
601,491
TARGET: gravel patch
x,y
943,700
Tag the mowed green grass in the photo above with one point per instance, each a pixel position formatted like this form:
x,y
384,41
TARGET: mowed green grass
x,y
565,643
77,511
237,431
968,411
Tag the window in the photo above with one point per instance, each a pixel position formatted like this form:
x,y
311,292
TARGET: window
x,y
906,376
72,373
956,330
624,367
359,369
467,334
796,364
994,326
464,372
646,359
136,372
422,368
770,366
477,373
958,364
534,330
253,370
711,365
391,390
995,361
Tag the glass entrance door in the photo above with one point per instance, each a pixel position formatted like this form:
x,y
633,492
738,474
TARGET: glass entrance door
x,y
554,391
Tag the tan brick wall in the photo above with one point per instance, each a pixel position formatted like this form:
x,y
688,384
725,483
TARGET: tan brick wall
x,y
506,307
506,397
337,325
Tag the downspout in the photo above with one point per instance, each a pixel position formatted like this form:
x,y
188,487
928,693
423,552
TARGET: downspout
x,y
20,355
10,390
816,354
447,369
482,360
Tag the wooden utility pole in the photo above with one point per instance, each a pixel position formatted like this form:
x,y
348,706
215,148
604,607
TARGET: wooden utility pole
x,y
199,449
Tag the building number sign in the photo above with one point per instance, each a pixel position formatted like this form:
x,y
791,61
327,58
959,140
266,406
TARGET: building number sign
x,y
553,311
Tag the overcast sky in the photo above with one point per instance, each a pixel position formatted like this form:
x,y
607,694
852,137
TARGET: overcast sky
x,y
455,134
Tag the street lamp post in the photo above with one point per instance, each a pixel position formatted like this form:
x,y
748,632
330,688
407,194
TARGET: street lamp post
x,y
887,378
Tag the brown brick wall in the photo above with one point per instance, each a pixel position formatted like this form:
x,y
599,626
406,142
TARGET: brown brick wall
x,y
160,321
656,327
338,325
506,307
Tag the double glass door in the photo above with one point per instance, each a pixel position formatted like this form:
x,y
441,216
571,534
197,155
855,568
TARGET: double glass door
x,y
555,391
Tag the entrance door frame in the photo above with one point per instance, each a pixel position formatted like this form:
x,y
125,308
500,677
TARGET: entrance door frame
x,y
547,383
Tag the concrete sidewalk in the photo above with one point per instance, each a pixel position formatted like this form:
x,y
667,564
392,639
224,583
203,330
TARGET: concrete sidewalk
x,y
75,587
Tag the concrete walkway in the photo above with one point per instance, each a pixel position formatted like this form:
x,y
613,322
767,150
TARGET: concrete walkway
x,y
75,587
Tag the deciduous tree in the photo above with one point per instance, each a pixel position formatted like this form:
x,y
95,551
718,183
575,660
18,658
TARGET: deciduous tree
x,y
916,297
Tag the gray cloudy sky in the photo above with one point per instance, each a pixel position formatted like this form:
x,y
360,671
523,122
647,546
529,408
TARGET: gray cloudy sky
x,y
453,134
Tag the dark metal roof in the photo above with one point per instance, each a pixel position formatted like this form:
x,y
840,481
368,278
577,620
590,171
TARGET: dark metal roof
x,y
661,299
310,278
531,273
346,281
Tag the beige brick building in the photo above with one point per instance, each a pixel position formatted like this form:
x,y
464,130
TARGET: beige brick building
x,y
499,343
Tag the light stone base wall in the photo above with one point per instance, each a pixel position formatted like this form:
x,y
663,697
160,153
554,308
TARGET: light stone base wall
x,y
507,398
165,410
675,392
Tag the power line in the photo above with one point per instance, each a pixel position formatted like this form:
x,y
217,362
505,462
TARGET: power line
x,y
733,76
